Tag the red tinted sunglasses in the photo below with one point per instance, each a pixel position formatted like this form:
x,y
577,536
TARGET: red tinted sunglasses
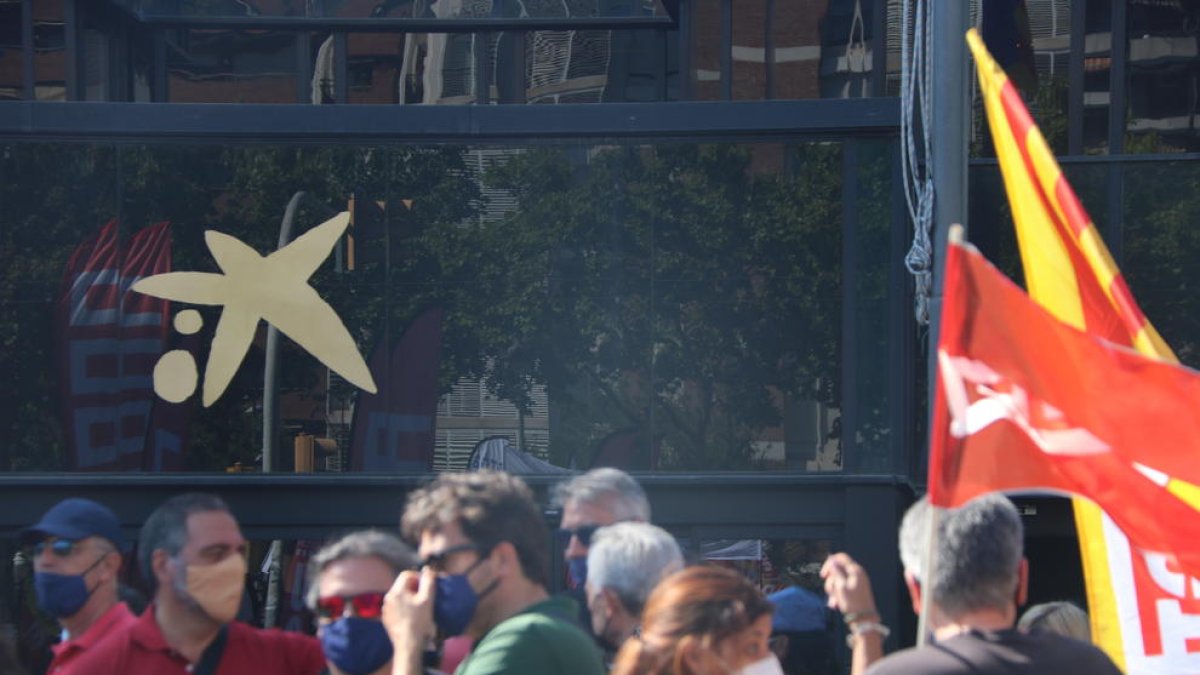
x,y
366,606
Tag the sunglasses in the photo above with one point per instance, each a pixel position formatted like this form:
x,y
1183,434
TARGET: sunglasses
x,y
437,561
366,606
584,534
61,548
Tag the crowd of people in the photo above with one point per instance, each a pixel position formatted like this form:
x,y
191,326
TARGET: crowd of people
x,y
465,587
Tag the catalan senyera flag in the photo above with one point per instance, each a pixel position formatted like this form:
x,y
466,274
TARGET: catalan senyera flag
x,y
1144,613
1025,401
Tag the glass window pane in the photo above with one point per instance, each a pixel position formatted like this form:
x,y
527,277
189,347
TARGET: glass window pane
x,y
49,50
1160,210
1164,69
669,306
231,66
12,58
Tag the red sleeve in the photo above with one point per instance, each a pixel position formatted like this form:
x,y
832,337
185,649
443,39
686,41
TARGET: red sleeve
x,y
304,653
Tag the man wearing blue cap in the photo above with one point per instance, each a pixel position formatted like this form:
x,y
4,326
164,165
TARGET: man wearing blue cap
x,y
77,556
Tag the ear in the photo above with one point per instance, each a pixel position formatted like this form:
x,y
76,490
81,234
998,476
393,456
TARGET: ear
x,y
689,652
160,563
1022,583
612,602
505,559
914,591
112,564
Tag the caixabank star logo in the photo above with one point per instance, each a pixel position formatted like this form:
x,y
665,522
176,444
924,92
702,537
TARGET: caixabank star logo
x,y
250,288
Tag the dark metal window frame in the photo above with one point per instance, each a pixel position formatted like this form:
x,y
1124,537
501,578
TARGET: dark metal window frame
x,y
679,19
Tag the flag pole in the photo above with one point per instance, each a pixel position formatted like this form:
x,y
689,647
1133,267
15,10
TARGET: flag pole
x,y
928,561
955,237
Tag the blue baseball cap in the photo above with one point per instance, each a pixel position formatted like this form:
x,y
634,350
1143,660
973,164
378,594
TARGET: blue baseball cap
x,y
76,519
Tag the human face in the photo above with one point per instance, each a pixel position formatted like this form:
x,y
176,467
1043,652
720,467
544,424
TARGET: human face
x,y
80,559
350,577
213,536
746,647
583,514
447,552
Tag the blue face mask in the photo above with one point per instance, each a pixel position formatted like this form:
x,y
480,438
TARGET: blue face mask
x,y
455,600
454,604
577,571
356,646
60,595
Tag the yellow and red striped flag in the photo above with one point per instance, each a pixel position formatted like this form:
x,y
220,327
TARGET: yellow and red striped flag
x,y
1145,613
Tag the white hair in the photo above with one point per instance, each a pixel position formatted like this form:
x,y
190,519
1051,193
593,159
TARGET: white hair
x,y
630,559
978,553
611,487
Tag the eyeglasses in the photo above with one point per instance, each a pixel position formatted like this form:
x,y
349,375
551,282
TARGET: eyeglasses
x,y
61,548
584,534
366,606
437,561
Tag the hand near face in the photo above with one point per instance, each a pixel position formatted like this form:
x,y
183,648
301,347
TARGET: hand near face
x,y
847,585
408,617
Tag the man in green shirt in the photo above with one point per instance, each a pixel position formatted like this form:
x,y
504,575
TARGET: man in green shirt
x,y
485,566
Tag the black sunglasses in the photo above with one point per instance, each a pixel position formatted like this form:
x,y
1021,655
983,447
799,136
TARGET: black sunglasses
x,y
584,534
60,547
437,561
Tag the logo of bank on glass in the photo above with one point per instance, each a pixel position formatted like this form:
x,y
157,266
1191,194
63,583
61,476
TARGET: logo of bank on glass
x,y
251,287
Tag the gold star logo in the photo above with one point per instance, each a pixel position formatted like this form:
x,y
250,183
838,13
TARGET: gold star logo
x,y
274,289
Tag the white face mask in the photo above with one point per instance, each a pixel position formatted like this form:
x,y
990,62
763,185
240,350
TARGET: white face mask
x,y
767,666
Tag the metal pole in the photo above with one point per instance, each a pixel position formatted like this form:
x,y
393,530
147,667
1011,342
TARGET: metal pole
x,y
949,120
271,424
270,437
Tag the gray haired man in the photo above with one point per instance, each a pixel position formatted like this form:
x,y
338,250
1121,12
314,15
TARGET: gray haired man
x,y
354,574
979,580
625,562
590,501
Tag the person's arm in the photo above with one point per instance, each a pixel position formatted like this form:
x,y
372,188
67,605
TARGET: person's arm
x,y
408,617
849,590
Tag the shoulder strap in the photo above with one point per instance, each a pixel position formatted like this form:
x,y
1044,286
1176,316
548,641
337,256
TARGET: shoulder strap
x,y
211,658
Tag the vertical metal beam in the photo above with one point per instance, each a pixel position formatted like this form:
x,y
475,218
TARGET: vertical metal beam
x,y
1117,79
849,338
1118,87
663,38
901,345
949,120
685,50
769,48
303,67
158,78
727,50
27,53
1075,79
72,38
341,68
879,51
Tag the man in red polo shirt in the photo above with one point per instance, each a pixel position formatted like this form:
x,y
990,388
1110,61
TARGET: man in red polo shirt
x,y
77,555
193,550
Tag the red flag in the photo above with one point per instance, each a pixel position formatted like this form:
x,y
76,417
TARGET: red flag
x,y
1024,401
109,341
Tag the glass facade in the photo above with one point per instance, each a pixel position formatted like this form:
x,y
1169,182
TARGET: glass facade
x,y
660,306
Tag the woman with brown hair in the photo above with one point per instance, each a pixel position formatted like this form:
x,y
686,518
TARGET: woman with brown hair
x,y
703,620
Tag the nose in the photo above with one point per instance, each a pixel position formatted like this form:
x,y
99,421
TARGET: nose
x,y
575,548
